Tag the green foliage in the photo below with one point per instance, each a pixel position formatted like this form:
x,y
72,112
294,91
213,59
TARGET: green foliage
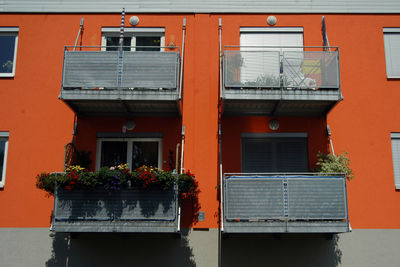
x,y
328,163
90,180
186,182
46,182
166,179
114,178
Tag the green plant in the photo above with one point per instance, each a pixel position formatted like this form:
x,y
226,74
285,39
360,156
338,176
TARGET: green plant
x,y
328,163
46,182
187,182
114,178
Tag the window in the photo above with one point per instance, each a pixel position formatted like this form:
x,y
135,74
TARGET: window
x,y
264,64
134,151
274,152
391,37
135,39
396,158
3,157
8,50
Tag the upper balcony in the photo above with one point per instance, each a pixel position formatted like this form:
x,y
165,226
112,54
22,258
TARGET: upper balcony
x,y
280,81
281,203
120,83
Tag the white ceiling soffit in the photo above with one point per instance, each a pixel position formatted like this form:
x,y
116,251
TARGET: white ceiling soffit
x,y
200,6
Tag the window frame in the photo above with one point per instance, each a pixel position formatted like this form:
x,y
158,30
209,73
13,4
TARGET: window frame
x,y
389,33
4,136
129,149
271,43
276,31
133,33
13,31
395,159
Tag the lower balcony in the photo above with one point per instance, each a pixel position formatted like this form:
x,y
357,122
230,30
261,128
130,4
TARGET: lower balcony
x,y
126,211
279,203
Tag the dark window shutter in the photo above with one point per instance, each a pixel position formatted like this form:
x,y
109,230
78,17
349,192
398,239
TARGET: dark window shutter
x,y
274,155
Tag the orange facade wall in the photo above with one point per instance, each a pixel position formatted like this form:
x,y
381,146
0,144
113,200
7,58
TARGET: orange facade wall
x,y
40,125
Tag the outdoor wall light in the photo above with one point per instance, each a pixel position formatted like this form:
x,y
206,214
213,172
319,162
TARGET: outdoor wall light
x,y
274,124
129,125
134,20
271,20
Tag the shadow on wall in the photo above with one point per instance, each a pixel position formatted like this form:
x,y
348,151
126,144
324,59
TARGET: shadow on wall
x,y
281,250
103,249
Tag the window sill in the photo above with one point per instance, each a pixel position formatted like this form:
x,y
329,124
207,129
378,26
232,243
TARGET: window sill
x,y
7,75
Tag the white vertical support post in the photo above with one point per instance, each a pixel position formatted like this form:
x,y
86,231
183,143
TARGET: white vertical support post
x,y
79,33
121,50
180,172
220,57
221,185
182,148
328,130
182,58
121,31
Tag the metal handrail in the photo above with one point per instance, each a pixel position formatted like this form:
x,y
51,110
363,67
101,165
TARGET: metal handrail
x,y
114,75
320,174
275,46
116,46
302,69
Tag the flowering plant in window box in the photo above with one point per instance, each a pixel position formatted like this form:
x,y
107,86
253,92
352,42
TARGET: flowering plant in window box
x,y
114,178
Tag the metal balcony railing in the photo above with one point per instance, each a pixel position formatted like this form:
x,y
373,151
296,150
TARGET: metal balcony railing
x,y
127,210
285,203
280,67
91,68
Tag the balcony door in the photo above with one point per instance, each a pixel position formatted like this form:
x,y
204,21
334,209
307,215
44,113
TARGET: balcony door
x,y
261,53
134,151
274,153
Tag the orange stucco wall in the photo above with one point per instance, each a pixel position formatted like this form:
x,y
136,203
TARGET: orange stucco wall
x,y
40,125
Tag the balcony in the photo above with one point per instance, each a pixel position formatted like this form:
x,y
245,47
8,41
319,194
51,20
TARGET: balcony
x,y
269,203
128,211
280,81
126,83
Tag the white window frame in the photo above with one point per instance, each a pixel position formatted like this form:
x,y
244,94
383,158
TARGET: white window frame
x,y
389,34
13,31
129,149
277,30
4,136
395,138
271,60
132,32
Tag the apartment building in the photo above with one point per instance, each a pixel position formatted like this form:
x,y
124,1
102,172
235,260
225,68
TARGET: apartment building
x,y
242,94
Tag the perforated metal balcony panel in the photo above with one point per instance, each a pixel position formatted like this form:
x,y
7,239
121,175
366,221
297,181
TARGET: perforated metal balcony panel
x,y
128,210
285,204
